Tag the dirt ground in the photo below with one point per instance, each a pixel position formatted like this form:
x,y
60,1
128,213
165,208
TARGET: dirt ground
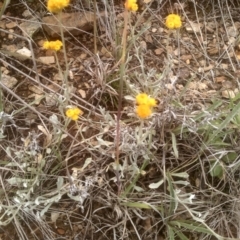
x,y
193,73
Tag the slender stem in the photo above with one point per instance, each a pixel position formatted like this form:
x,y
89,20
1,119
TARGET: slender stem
x,y
65,75
124,38
122,73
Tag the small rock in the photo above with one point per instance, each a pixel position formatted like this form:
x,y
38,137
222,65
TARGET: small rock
x,y
169,86
47,60
184,73
10,36
197,85
236,90
51,99
25,52
202,63
10,48
228,84
82,93
26,13
148,38
232,31
193,27
2,24
11,25
72,23
228,94
220,79
83,56
154,30
58,77
143,45
8,81
30,27
6,71
161,30
159,51
224,66
36,89
37,98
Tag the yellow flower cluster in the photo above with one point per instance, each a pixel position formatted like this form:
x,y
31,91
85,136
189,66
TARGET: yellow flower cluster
x,y
53,45
145,105
74,113
56,6
131,5
173,21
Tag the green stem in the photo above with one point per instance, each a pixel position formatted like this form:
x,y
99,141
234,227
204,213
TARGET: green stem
x,y
4,6
133,183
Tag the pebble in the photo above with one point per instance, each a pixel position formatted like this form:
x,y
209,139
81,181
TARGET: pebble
x,y
2,25
228,94
11,25
8,81
25,52
10,36
47,60
83,55
26,13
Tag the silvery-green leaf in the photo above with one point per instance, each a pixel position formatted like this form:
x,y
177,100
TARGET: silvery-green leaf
x,y
45,209
181,174
54,216
59,183
86,163
138,189
54,119
181,182
156,185
129,97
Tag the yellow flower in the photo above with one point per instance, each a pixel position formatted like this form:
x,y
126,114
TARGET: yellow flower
x,y
74,113
56,6
145,105
53,45
131,5
144,99
143,111
173,21
152,102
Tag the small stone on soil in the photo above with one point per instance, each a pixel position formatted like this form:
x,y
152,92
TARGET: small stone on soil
x,y
11,25
47,60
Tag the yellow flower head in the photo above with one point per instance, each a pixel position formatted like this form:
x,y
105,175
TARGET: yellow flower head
x,y
131,5
173,21
143,111
53,45
144,99
145,105
56,6
74,113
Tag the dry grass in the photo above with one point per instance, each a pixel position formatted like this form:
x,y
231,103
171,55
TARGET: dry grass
x,y
178,176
